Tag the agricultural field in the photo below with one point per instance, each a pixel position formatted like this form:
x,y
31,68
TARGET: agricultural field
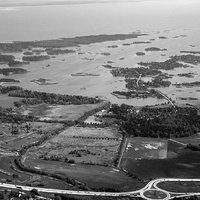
x,y
185,165
14,136
7,101
145,148
92,175
80,145
180,186
150,157
194,139
57,112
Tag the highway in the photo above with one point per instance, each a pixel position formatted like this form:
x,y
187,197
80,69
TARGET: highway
x,y
150,191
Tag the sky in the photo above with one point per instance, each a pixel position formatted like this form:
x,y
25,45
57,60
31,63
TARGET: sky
x,y
8,3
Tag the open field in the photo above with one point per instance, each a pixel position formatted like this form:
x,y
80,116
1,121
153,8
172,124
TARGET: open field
x,y
148,158
7,102
144,148
180,186
94,176
186,165
91,132
82,145
194,139
26,178
25,133
58,112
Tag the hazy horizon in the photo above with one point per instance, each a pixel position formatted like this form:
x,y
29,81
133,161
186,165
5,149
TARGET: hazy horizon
x,y
37,20
14,3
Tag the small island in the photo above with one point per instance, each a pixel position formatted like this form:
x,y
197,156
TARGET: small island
x,y
43,81
9,71
84,74
141,42
126,44
112,46
109,66
155,49
190,52
105,54
162,37
52,51
35,58
8,80
140,53
188,75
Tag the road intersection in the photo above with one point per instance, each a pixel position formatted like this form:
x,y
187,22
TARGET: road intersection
x,y
150,192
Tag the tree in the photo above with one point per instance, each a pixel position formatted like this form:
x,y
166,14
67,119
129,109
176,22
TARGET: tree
x,y
57,198
34,192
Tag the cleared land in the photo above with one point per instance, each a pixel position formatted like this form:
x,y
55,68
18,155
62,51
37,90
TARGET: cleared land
x,y
57,112
14,136
145,148
82,145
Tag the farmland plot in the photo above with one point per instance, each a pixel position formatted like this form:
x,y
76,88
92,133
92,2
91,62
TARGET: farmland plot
x,y
82,145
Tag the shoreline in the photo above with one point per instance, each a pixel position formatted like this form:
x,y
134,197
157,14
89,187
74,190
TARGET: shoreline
x,y
18,46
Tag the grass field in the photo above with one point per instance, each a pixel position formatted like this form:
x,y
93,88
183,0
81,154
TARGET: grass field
x,y
194,139
94,176
148,158
27,178
144,148
180,186
7,102
83,145
93,132
186,165
24,135
58,112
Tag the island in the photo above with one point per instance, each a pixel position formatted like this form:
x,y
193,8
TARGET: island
x,y
43,81
50,140
8,80
140,53
85,74
155,49
35,58
190,52
9,71
141,42
65,42
53,51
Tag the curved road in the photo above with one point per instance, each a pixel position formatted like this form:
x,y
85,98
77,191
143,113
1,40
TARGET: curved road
x,y
150,191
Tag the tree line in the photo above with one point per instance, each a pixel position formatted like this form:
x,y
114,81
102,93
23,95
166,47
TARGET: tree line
x,y
34,97
164,122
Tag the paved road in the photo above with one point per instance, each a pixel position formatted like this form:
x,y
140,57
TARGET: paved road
x,y
150,192
166,97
